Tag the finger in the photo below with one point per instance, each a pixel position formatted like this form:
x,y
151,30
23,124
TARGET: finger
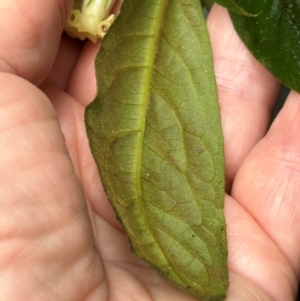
x,y
30,35
82,85
65,62
71,117
247,92
268,183
47,242
258,268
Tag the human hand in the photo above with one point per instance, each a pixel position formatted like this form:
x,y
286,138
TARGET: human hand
x,y
60,239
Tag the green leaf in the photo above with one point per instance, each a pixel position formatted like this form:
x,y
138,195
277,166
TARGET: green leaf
x,y
155,132
234,7
273,36
207,4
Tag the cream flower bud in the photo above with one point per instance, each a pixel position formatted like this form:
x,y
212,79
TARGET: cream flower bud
x,y
90,19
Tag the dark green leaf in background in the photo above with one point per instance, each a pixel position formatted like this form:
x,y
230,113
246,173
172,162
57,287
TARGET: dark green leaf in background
x,y
155,132
207,4
273,36
234,7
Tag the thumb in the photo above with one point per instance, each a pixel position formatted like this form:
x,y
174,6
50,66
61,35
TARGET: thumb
x,y
30,35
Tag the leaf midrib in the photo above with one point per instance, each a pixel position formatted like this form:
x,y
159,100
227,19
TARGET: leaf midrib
x,y
146,97
146,93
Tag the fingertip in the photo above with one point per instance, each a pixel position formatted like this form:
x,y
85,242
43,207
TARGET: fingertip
x,y
82,85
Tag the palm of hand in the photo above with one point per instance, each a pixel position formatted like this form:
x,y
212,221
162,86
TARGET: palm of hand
x,y
48,239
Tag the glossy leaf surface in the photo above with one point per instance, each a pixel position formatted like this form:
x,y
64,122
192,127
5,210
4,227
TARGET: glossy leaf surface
x,y
207,4
273,36
234,7
155,133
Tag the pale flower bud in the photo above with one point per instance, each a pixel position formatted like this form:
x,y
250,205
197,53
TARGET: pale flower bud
x,y
90,19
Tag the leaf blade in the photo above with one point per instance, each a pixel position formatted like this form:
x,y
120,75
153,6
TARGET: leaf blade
x,y
155,133
235,7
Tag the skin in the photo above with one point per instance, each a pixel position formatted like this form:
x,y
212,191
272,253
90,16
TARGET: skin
x,y
59,237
